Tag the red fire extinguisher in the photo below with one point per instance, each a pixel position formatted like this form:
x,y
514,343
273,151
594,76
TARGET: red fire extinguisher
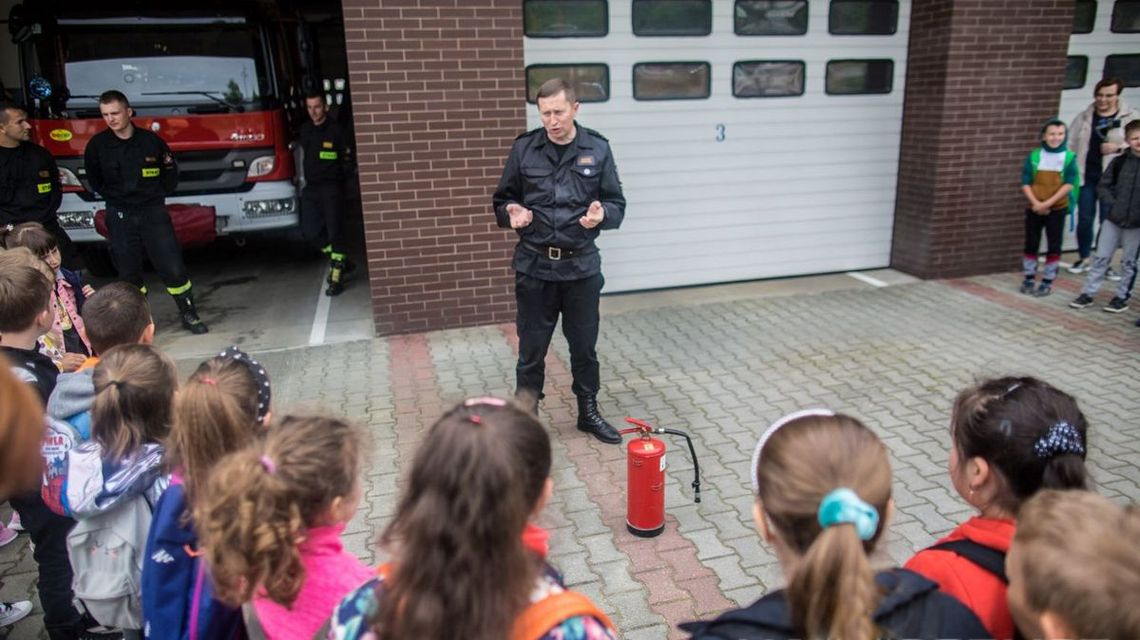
x,y
645,460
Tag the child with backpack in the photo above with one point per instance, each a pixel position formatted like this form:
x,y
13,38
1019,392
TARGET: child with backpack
x,y
1074,569
66,344
823,497
466,562
222,408
269,521
1010,438
1049,182
114,480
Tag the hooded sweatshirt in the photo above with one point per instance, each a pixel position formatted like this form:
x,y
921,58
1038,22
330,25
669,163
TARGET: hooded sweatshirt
x,y
69,425
1047,168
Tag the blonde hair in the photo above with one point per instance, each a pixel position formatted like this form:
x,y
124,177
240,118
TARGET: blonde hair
x,y
215,413
832,591
134,394
258,502
21,430
1077,554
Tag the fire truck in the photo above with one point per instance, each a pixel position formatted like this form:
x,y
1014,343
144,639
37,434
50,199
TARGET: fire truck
x,y
222,86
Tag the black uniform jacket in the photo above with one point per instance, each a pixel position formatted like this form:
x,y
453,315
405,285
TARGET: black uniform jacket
x,y
138,171
325,150
558,194
911,607
29,184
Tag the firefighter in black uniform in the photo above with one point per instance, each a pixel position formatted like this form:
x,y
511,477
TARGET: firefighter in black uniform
x,y
29,178
325,154
134,171
559,189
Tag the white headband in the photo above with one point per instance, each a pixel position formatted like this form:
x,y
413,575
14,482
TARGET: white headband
x,y
796,415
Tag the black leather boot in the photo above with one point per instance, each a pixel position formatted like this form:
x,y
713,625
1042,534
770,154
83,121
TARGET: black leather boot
x,y
592,422
190,320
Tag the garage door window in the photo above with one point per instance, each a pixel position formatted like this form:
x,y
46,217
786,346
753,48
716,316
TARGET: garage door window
x,y
590,81
672,17
1084,16
770,17
1126,17
850,77
671,80
863,17
768,78
1076,68
565,18
1125,67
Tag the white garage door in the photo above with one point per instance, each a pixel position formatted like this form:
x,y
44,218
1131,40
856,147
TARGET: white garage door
x,y
764,145
1105,42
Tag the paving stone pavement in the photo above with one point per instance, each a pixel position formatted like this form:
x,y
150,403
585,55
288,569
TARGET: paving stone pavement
x,y
894,357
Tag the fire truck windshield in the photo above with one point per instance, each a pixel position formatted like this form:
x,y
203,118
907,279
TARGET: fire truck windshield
x,y
165,65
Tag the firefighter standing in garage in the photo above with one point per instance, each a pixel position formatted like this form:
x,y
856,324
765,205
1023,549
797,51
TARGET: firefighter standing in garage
x,y
134,171
558,191
325,154
29,178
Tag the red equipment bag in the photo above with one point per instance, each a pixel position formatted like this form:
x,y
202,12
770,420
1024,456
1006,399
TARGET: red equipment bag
x,y
194,224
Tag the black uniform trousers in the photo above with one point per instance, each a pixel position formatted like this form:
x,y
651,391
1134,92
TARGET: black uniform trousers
x,y
539,304
145,228
322,215
48,532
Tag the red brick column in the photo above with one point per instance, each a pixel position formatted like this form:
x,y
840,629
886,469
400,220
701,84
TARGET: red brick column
x,y
438,95
982,77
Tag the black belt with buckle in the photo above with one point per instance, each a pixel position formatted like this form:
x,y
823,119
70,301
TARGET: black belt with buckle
x,y
556,253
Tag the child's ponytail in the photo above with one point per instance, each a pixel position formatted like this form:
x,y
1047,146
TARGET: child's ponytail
x,y
134,394
257,504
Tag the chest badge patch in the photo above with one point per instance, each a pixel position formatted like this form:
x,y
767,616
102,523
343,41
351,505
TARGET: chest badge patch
x,y
150,159
586,161
149,173
45,174
44,187
327,145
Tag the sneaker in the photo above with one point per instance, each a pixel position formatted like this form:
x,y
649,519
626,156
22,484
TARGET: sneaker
x,y
15,524
12,612
1112,275
7,535
1082,301
1026,287
1044,289
1116,305
1080,266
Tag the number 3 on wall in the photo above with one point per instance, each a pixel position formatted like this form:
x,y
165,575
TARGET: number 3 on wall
x,y
720,133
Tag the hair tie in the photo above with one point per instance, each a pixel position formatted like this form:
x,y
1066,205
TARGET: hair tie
x,y
208,380
843,506
487,400
267,463
770,431
260,378
1060,439
475,418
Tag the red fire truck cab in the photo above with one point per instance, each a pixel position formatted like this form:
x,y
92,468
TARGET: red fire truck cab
x,y
216,85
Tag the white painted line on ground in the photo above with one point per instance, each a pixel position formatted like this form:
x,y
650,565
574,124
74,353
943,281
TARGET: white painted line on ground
x,y
874,282
321,318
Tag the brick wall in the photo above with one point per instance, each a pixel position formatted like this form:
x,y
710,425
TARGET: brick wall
x,y
982,77
438,95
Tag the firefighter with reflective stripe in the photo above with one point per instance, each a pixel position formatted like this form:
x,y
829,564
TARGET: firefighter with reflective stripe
x,y
558,191
29,178
325,153
134,171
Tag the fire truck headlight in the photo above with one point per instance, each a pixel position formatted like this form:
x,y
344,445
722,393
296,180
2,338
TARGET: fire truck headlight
x,y
67,178
262,166
76,219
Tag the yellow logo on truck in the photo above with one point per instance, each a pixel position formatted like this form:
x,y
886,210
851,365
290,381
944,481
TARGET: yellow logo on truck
x,y
150,173
328,155
60,135
43,187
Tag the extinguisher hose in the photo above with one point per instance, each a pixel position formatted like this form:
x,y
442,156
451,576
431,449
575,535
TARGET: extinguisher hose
x,y
693,453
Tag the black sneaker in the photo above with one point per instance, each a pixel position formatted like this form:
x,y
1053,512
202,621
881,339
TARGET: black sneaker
x,y
1081,266
1026,286
1116,305
1082,301
1044,289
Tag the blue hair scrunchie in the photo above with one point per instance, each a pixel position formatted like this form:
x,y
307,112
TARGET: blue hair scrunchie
x,y
1061,438
843,506
260,378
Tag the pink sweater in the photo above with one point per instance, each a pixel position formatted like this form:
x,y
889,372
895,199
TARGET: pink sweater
x,y
330,574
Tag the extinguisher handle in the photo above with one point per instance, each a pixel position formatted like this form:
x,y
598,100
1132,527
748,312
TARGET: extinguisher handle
x,y
640,424
626,432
